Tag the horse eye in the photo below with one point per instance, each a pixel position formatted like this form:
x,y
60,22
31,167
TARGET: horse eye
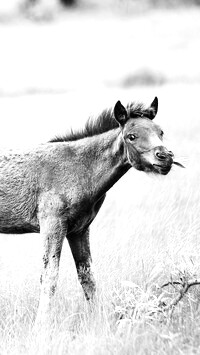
x,y
161,133
131,137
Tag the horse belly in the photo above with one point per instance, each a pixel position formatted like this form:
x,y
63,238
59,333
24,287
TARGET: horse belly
x,y
17,220
18,196
20,229
18,213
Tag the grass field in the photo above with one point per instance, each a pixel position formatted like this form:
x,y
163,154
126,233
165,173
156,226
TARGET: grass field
x,y
147,231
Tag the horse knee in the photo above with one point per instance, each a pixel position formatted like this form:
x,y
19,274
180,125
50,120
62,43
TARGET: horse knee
x,y
87,281
89,289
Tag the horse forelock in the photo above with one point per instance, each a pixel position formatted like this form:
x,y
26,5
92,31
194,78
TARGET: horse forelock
x,y
137,110
103,123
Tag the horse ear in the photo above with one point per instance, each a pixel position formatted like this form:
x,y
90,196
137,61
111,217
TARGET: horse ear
x,y
153,108
120,113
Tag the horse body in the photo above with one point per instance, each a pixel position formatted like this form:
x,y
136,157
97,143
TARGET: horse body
x,y
62,174
58,188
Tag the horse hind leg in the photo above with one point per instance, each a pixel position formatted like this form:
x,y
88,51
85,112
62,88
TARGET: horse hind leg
x,y
80,247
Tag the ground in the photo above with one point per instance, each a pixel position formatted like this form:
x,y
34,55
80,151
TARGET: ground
x,y
54,75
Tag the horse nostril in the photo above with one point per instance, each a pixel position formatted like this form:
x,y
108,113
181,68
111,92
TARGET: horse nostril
x,y
161,155
171,154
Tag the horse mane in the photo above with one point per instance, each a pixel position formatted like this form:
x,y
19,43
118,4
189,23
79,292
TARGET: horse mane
x,y
103,123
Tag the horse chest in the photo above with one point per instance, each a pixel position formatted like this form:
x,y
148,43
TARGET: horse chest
x,y
83,215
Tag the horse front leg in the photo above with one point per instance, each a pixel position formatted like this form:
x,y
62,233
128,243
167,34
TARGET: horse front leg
x,y
53,231
80,247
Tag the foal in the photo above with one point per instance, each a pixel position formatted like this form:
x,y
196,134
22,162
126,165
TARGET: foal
x,y
58,188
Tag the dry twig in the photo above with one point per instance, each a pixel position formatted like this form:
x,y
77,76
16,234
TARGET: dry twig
x,y
185,285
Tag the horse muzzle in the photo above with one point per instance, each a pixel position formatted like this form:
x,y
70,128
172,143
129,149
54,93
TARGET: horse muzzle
x,y
163,160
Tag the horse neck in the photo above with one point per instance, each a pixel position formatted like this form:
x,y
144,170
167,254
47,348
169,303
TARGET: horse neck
x,y
107,161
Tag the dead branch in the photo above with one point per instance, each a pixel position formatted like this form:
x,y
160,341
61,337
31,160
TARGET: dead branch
x,y
185,285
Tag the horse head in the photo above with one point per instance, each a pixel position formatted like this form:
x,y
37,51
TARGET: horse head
x,y
143,139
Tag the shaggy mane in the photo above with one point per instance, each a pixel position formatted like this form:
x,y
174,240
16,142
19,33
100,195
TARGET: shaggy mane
x,y
104,122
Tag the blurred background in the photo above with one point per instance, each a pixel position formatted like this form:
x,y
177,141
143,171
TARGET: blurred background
x,y
62,60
